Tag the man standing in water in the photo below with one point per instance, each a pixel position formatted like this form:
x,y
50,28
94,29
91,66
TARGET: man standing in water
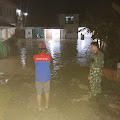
x,y
42,74
96,69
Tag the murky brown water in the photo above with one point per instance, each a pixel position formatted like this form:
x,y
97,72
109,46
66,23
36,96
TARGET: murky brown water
x,y
69,84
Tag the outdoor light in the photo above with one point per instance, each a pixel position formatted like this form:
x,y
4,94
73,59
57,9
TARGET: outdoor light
x,y
26,14
18,11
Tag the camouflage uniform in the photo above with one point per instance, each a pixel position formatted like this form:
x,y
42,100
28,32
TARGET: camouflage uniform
x,y
96,72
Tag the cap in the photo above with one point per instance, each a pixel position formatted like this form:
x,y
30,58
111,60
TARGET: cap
x,y
42,45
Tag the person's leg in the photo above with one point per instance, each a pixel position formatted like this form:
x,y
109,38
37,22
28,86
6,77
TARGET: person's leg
x,y
47,99
93,87
99,84
39,102
46,91
39,87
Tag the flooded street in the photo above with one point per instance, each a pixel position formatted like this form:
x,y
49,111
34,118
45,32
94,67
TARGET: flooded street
x,y
69,95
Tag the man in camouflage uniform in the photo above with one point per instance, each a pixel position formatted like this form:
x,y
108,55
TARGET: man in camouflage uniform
x,y
96,69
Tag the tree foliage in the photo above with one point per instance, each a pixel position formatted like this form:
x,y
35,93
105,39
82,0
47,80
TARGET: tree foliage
x,y
106,27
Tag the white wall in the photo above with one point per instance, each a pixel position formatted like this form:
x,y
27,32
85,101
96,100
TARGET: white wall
x,y
9,33
3,34
84,32
56,33
63,33
28,33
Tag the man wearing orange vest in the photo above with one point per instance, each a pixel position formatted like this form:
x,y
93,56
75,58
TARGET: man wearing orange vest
x,y
42,74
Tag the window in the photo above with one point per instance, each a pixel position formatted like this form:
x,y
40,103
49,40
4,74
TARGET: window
x,y
4,12
14,12
7,12
69,19
1,11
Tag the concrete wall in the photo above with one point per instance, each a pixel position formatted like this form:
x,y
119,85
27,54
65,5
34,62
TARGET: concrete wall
x,y
63,33
110,74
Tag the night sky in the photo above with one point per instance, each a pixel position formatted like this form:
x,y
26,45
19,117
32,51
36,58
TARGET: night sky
x,y
43,12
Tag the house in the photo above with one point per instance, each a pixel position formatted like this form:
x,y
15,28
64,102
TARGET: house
x,y
8,12
7,24
67,29
7,19
70,24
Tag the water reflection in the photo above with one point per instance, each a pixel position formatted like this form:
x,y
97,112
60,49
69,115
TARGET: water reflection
x,y
68,50
54,49
29,47
65,53
2,79
84,51
62,51
4,49
23,57
22,51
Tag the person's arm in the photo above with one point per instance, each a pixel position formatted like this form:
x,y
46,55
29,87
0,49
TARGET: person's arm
x,y
51,63
98,62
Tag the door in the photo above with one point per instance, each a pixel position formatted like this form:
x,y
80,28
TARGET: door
x,y
49,34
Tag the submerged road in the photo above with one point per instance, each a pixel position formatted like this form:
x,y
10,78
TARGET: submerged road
x,y
69,96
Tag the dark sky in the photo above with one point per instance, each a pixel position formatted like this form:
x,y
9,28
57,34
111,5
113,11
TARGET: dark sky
x,y
44,11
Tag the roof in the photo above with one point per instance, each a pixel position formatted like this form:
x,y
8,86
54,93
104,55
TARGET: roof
x,y
5,25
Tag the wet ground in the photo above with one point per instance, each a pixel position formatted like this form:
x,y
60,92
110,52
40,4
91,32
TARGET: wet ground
x,y
69,95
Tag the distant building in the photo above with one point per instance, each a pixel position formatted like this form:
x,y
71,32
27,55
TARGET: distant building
x,y
67,28
70,24
7,12
7,19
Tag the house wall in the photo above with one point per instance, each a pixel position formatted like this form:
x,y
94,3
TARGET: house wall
x,y
10,32
56,33
28,33
63,33
38,32
6,33
62,22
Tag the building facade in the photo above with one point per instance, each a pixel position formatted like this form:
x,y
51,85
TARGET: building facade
x,y
8,12
70,24
67,29
7,19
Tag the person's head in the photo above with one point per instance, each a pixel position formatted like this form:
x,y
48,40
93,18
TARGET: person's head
x,y
94,46
41,50
42,47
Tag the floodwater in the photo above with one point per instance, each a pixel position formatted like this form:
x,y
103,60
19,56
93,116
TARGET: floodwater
x,y
69,95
